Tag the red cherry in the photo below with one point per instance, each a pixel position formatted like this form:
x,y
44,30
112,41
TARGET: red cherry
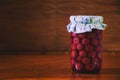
x,y
73,46
95,42
85,41
98,66
91,35
82,53
92,54
100,55
86,60
79,46
97,62
79,58
99,48
81,35
88,48
99,42
79,66
72,61
100,35
73,54
89,67
73,34
76,40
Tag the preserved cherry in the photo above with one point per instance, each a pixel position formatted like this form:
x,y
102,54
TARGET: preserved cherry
x,y
86,51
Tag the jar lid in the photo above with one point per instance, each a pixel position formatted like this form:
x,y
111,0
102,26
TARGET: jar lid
x,y
81,24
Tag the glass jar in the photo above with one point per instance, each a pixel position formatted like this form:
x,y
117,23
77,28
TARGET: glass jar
x,y
86,44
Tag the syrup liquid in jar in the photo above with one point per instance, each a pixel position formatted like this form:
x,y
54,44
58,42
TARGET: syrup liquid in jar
x,y
86,51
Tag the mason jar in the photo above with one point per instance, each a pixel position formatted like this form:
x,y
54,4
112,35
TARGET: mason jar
x,y
86,43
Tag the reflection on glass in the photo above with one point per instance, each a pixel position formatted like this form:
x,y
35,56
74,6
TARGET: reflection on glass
x,y
77,76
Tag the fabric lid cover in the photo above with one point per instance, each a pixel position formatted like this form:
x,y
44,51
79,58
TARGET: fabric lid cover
x,y
81,24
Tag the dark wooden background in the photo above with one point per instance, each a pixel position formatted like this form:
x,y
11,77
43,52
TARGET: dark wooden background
x,y
40,25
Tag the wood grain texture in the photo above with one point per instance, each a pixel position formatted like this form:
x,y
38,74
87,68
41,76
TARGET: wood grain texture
x,y
40,25
53,67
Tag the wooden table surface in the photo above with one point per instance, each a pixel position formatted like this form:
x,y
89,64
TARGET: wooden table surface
x,y
53,67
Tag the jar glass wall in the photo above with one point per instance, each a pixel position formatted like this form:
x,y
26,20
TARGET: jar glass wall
x,y
86,51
